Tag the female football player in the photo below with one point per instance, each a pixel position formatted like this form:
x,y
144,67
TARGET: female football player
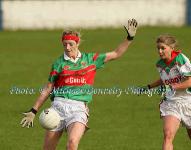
x,y
72,75
175,74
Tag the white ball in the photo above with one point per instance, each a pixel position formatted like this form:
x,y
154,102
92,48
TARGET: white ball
x,y
49,119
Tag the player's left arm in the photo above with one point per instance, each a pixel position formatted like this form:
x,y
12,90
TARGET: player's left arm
x,y
185,71
121,49
29,116
182,85
118,52
155,84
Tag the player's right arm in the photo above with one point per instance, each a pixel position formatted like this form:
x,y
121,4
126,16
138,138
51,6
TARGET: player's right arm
x,y
155,84
44,95
29,116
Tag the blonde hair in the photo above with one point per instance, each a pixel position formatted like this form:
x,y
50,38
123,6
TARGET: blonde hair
x,y
73,33
168,40
67,32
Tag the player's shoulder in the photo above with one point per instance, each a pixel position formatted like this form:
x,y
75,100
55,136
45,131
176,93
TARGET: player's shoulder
x,y
94,57
86,55
181,59
58,60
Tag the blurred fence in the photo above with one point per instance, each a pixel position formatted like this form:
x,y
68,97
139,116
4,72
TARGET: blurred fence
x,y
38,14
188,12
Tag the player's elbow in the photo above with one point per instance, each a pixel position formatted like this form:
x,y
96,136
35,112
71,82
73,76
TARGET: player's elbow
x,y
111,56
117,55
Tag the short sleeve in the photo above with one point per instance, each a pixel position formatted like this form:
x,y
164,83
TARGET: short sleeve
x,y
98,59
185,68
55,70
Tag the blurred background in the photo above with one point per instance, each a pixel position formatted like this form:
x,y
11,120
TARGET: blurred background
x,y
51,14
30,42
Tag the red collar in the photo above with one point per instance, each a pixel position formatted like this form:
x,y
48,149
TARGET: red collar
x,y
173,55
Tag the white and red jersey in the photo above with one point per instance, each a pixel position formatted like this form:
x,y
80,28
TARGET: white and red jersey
x,y
175,71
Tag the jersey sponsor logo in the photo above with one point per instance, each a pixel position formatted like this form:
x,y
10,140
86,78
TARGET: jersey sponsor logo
x,y
173,80
76,77
73,80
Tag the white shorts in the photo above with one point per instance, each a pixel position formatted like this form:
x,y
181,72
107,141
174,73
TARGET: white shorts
x,y
179,109
70,111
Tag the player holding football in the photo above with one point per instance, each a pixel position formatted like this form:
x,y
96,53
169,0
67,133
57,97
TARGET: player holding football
x,y
72,75
175,74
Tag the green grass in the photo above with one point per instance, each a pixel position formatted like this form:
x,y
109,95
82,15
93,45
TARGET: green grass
x,y
127,122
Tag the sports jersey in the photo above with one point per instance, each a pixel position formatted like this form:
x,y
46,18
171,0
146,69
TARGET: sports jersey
x,y
74,80
175,71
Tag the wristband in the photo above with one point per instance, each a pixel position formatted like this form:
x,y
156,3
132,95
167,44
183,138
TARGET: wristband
x,y
130,38
34,111
149,86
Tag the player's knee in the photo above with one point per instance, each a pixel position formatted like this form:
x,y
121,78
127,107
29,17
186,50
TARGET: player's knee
x,y
168,136
72,144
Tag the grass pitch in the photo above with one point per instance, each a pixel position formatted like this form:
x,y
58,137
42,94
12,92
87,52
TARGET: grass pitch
x,y
125,122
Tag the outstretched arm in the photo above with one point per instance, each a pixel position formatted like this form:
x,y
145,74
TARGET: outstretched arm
x,y
155,84
121,49
43,96
29,116
118,52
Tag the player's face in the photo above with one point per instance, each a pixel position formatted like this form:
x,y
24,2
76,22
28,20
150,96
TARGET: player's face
x,y
70,48
164,51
